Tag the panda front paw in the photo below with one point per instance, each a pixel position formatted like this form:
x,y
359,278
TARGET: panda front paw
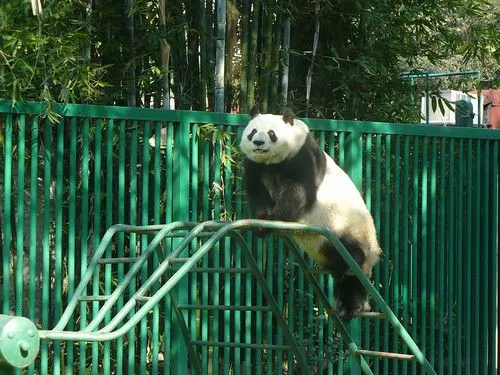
x,y
347,312
263,214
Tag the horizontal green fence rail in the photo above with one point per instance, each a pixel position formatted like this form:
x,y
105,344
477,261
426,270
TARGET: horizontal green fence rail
x,y
433,192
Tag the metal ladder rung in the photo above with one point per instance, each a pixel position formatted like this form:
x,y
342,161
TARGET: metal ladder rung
x,y
215,270
369,314
374,353
117,260
224,307
240,345
178,260
220,270
93,298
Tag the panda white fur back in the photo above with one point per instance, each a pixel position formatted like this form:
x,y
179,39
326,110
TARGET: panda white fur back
x,y
340,208
288,177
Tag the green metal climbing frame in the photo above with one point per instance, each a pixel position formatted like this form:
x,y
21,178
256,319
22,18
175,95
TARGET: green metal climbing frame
x,y
172,269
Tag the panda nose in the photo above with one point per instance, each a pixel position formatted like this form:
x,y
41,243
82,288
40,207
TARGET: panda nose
x,y
258,143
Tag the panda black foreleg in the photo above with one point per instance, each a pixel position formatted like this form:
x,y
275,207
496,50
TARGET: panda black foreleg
x,y
351,296
291,202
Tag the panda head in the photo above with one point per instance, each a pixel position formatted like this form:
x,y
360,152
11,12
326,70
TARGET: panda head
x,y
271,139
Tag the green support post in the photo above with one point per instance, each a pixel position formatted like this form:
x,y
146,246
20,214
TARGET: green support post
x,y
354,164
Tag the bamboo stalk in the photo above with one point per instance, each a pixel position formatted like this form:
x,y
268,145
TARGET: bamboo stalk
x,y
275,100
232,18
311,66
252,65
204,60
285,71
220,47
245,41
130,74
164,59
266,72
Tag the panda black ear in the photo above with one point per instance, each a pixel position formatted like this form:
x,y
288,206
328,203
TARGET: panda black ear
x,y
288,116
254,111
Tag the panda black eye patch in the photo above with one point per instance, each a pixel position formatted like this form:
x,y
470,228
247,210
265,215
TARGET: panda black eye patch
x,y
272,136
252,133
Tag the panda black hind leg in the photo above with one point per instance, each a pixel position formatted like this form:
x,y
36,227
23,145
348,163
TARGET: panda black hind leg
x,y
350,294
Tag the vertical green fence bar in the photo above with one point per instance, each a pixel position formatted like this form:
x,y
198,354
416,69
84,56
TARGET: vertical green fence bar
x,y
457,238
180,210
121,236
441,255
433,249
423,248
228,284
47,158
386,265
468,260
216,278
96,230
194,278
131,337
238,283
368,195
493,265
155,334
395,245
71,255
406,264
205,277
21,144
7,207
355,167
58,231
32,291
378,218
482,277
108,277
477,254
144,220
84,220
414,246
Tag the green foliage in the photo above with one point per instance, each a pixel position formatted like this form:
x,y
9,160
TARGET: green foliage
x,y
41,57
108,52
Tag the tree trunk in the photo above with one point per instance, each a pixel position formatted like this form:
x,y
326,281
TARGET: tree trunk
x,y
220,47
204,60
286,62
179,57
245,28
253,60
275,100
266,67
87,51
210,56
311,66
164,58
130,79
232,19
193,78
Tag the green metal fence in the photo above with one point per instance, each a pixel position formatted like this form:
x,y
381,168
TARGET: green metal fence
x,y
433,192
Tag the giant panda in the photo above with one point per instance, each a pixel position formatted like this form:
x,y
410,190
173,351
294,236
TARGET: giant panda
x,y
288,177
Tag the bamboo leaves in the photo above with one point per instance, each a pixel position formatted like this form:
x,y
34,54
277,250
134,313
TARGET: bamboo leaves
x,y
331,58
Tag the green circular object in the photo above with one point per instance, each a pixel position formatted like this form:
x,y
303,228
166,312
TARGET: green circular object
x,y
19,341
